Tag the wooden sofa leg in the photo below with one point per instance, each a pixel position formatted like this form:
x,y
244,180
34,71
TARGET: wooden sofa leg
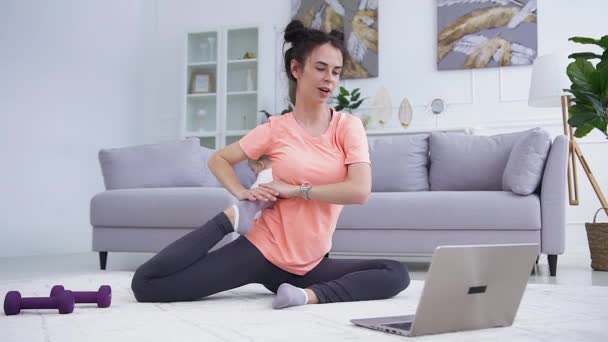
x,y
103,259
552,264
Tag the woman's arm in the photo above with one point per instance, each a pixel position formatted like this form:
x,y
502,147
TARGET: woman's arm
x,y
221,165
355,189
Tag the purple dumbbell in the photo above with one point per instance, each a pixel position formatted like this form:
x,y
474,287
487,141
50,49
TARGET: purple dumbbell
x,y
103,296
13,302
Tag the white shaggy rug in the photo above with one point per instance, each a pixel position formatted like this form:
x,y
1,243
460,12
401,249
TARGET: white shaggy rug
x,y
547,313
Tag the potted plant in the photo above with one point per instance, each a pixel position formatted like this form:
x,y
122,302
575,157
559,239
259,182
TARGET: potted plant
x,y
348,101
589,110
284,111
589,88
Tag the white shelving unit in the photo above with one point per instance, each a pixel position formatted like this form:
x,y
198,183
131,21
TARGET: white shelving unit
x,y
222,111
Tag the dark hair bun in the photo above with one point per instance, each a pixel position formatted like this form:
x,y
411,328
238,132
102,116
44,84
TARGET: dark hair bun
x,y
295,32
337,34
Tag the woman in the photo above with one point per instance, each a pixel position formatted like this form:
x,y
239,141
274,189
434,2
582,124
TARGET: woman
x,y
320,162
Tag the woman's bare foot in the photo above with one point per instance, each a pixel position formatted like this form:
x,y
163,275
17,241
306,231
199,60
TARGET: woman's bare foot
x,y
312,297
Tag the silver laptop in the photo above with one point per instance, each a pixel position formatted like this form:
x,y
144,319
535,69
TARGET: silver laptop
x,y
467,288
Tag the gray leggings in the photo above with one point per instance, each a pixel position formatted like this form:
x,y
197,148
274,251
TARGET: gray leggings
x,y
186,271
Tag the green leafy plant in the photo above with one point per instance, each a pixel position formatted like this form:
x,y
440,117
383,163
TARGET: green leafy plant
x,y
589,88
284,111
348,101
292,100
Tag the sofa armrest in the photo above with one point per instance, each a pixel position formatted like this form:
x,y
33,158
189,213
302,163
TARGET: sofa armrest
x,y
553,198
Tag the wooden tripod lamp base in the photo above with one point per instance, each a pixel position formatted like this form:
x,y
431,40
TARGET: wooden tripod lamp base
x,y
574,152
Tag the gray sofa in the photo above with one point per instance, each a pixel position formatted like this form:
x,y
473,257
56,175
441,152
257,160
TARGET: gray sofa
x,y
428,190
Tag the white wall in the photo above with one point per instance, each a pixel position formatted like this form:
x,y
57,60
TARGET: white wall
x,y
68,87
78,76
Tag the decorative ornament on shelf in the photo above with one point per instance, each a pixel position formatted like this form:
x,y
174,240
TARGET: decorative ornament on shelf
x,y
437,106
249,81
382,108
249,55
211,57
204,51
202,113
405,113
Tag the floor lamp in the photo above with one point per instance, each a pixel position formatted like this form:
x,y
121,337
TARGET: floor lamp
x,y
549,80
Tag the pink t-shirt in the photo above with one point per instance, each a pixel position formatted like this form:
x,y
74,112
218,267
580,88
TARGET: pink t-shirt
x,y
295,233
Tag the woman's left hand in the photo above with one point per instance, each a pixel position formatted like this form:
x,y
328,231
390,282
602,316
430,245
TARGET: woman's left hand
x,y
285,190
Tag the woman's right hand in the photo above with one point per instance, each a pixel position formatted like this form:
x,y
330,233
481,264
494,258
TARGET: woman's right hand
x,y
259,193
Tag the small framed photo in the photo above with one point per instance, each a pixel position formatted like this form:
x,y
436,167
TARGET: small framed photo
x,y
200,83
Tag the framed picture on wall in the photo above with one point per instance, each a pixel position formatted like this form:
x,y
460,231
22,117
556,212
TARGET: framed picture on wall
x,y
486,34
200,83
358,20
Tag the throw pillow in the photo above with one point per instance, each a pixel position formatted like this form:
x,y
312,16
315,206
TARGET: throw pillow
x,y
243,172
171,164
399,163
469,162
526,163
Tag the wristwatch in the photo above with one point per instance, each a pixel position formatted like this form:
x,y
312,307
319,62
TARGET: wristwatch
x,y
304,189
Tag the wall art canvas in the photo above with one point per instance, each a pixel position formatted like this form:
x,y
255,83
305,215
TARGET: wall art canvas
x,y
475,34
357,19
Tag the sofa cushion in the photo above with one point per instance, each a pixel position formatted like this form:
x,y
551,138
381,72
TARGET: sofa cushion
x,y
526,163
243,172
170,164
209,179
469,162
160,207
399,163
444,210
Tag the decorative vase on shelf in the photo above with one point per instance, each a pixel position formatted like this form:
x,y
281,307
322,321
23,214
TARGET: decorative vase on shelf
x,y
211,57
405,113
201,113
250,86
364,115
204,51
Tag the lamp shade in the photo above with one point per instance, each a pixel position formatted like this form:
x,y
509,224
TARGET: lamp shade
x,y
549,79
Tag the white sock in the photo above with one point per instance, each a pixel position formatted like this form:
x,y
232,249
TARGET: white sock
x,y
247,211
265,176
236,217
289,295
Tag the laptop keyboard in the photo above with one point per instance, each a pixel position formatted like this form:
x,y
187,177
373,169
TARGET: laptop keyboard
x,y
401,325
